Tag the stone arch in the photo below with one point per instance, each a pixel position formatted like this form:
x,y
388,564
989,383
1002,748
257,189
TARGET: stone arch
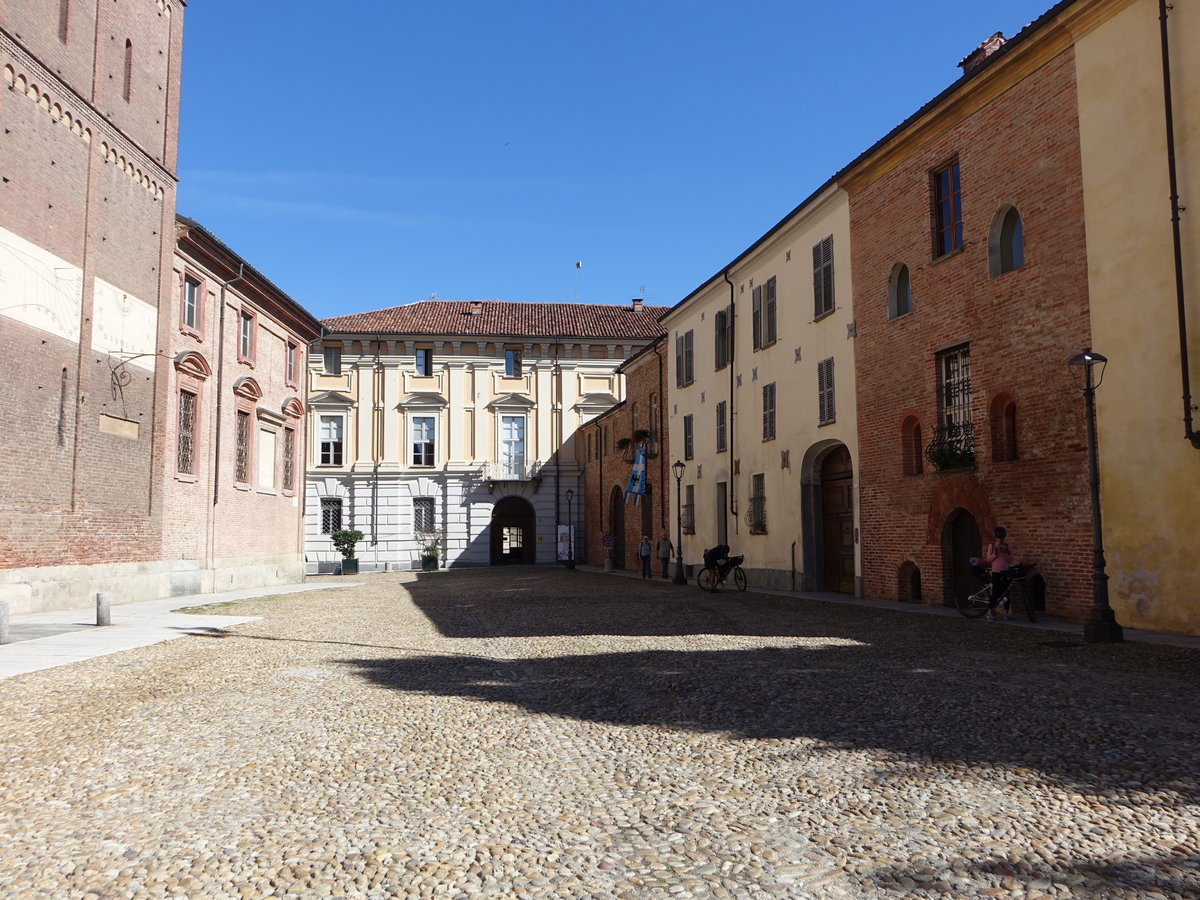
x,y
912,446
908,582
1006,241
1002,418
513,532
961,541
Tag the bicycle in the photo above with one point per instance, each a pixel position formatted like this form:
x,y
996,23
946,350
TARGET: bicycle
x,y
981,601
718,566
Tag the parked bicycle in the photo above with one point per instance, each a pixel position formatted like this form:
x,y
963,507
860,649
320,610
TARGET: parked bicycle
x,y
1016,591
718,566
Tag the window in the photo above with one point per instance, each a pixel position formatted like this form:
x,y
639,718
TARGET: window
x,y
768,412
293,361
723,337
333,360
268,453
1006,242
422,440
826,411
189,306
424,362
423,515
331,515
947,211
246,336
911,446
512,444
762,312
512,363
687,514
899,292
185,459
721,427
64,18
758,504
241,472
127,89
684,373
823,301
688,448
331,441
953,446
289,459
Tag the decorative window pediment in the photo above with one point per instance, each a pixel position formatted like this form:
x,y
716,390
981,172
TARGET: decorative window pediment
x,y
332,398
247,387
270,416
596,400
293,408
424,399
512,401
191,363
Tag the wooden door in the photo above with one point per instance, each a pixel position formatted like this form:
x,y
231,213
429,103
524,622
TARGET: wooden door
x,y
837,519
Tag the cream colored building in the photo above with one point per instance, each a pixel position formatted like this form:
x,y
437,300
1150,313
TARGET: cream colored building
x,y
761,404
459,417
1149,468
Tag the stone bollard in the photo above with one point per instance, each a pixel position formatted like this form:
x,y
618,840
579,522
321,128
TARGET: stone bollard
x,y
103,614
3,621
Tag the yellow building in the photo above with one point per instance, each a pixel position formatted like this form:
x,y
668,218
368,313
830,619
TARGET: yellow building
x,y
453,423
762,408
1149,449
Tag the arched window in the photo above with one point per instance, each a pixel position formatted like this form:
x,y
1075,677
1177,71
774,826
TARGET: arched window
x,y
1006,242
912,447
1003,419
899,292
908,583
127,90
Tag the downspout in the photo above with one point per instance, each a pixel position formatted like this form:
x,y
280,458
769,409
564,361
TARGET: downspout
x,y
730,431
220,384
1188,427
556,424
665,501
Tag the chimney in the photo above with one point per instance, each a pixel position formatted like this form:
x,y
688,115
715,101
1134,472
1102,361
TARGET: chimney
x,y
982,53
476,308
637,304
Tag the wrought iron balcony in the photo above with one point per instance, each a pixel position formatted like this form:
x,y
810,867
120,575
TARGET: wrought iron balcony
x,y
508,471
952,447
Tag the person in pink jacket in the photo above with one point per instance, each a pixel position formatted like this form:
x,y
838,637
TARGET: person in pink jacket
x,y
1000,560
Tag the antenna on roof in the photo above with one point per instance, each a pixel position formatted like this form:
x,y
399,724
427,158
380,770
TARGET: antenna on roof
x,y
578,266
433,296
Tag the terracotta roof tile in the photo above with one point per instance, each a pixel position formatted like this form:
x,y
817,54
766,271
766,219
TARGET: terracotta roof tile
x,y
505,318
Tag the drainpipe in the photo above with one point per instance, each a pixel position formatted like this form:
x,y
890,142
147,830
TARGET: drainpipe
x,y
220,385
730,431
1189,430
664,504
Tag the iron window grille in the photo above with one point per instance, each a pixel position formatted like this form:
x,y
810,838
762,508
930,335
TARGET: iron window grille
x,y
185,461
953,444
289,459
423,520
242,466
331,515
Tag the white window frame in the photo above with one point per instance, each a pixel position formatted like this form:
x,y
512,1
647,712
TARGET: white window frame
x,y
319,439
430,440
503,459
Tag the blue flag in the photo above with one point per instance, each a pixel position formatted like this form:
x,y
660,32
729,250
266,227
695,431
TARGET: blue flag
x,y
637,478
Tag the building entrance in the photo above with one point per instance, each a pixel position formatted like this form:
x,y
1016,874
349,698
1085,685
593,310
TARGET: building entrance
x,y
513,532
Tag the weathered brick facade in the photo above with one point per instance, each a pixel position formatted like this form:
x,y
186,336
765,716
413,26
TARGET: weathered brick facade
x,y
87,205
606,467
1015,137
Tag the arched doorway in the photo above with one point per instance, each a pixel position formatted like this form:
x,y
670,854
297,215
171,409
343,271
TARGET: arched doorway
x,y
960,541
616,525
513,532
837,520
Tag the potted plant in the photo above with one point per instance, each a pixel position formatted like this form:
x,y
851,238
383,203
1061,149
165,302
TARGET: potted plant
x,y
344,541
431,546
642,436
625,445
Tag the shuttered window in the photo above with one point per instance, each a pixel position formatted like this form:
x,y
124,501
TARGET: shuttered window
x,y
723,338
688,438
756,315
684,363
768,393
721,427
826,411
823,301
768,328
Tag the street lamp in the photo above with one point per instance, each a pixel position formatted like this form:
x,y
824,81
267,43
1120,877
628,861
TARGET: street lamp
x,y
677,469
1102,627
571,531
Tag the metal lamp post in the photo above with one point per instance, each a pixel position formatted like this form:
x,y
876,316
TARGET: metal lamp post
x,y
571,532
677,469
1102,627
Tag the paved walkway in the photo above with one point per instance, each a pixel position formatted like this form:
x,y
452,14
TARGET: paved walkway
x,y
536,733
48,639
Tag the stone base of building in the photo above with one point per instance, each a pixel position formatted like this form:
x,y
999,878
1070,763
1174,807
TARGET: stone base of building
x,y
45,588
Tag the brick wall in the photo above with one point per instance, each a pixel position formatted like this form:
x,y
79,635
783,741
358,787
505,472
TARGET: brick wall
x,y
645,382
1021,148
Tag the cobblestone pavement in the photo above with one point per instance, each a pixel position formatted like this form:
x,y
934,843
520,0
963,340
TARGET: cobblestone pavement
x,y
542,733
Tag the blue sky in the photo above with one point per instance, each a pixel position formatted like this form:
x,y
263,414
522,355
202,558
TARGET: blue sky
x,y
372,153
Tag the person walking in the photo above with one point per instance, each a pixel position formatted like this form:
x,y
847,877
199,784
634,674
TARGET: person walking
x,y
1000,559
644,555
666,550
